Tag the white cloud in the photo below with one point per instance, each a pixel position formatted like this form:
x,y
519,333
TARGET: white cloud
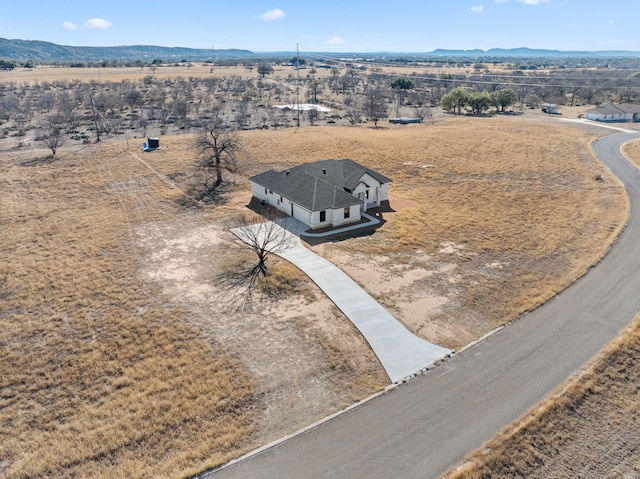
x,y
502,1
608,42
69,26
611,22
271,15
100,23
335,40
477,9
533,2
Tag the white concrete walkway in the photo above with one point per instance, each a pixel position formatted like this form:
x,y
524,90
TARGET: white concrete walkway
x,y
599,123
401,353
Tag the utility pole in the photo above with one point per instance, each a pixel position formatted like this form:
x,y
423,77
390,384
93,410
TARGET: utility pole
x,y
298,84
95,117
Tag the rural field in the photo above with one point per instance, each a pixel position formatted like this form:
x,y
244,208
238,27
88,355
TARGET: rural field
x,y
120,356
199,70
587,427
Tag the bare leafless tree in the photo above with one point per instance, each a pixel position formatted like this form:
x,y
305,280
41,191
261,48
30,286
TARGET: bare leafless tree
x,y
52,135
262,236
353,110
423,112
375,104
312,116
218,149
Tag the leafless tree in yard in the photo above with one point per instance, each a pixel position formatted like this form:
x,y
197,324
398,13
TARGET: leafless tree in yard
x,y
263,237
218,149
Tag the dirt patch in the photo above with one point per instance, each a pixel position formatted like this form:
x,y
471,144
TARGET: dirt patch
x,y
299,351
407,289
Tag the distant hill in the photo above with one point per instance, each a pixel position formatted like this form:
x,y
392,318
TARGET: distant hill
x,y
47,52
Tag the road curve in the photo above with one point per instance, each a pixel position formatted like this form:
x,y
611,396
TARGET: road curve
x,y
420,429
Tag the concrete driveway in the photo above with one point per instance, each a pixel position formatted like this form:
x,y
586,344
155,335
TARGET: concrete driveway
x,y
401,353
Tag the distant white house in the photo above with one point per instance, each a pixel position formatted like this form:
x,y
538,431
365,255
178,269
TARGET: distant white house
x,y
622,112
303,107
323,193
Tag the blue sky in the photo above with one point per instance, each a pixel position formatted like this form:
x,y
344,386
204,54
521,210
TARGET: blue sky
x,y
329,25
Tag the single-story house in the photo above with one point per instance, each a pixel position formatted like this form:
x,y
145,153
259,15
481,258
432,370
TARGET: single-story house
x,y
622,112
322,193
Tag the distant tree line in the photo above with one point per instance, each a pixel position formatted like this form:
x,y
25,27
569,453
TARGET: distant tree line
x,y
59,111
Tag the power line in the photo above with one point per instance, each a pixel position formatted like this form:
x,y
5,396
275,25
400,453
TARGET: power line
x,y
493,79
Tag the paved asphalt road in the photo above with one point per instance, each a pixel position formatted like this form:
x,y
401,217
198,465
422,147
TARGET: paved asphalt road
x,y
421,428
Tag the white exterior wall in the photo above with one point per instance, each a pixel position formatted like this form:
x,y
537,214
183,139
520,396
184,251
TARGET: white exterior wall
x,y
339,219
301,214
272,198
333,217
609,117
315,219
285,205
384,192
374,191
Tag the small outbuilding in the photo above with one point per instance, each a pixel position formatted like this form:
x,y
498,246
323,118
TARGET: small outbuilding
x,y
151,144
322,193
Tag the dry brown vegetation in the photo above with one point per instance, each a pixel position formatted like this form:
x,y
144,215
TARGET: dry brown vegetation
x,y
502,213
105,375
117,74
101,376
632,151
589,427
196,70
116,359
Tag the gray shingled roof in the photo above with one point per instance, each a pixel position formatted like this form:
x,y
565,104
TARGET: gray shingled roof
x,y
319,185
608,109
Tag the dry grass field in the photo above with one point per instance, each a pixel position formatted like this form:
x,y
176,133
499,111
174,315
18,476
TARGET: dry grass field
x,y
116,74
587,428
492,217
117,358
196,70
632,151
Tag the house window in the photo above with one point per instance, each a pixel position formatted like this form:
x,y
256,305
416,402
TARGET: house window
x,y
265,190
280,199
323,216
347,212
367,194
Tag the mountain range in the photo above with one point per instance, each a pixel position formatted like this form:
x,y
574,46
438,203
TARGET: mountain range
x,y
47,52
